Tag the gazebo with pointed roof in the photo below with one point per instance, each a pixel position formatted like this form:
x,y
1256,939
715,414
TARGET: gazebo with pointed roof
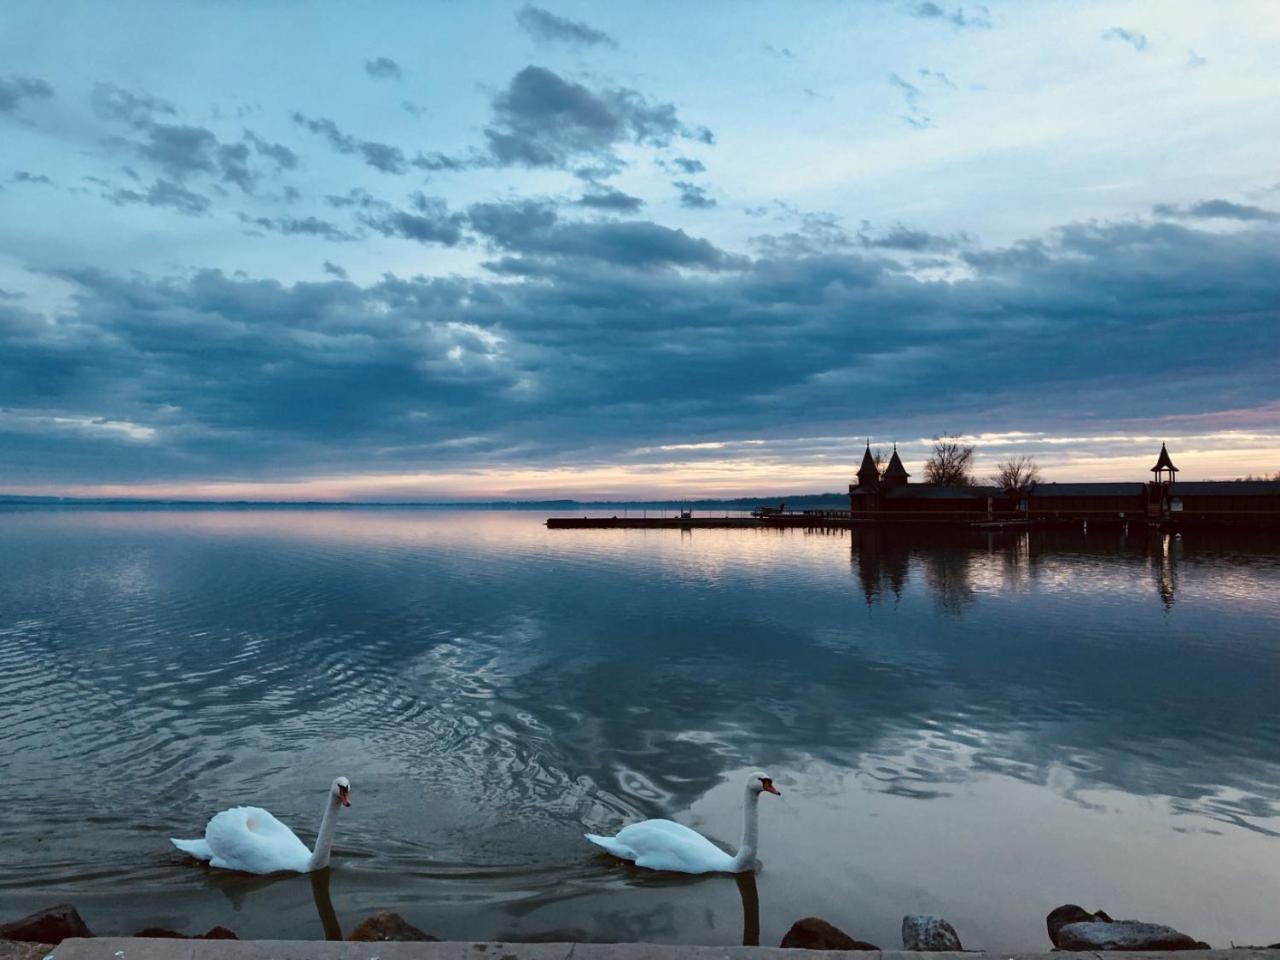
x,y
1164,468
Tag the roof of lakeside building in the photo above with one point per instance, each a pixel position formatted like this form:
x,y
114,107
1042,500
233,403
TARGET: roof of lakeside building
x,y
895,470
929,491
1226,488
868,468
1088,489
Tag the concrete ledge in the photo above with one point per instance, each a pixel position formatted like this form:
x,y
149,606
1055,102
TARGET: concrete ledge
x,y
132,948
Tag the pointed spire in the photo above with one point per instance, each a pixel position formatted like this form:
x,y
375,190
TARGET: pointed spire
x,y
1164,463
895,470
867,473
1164,468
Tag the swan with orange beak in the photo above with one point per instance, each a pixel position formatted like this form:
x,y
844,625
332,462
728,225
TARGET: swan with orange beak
x,y
251,840
667,845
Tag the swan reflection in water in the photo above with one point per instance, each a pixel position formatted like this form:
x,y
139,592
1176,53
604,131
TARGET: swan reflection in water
x,y
324,904
237,887
750,908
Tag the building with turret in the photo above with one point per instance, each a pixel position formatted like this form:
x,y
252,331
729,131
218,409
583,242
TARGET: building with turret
x,y
889,496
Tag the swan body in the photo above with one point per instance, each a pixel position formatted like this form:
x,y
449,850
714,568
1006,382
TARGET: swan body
x,y
667,845
251,840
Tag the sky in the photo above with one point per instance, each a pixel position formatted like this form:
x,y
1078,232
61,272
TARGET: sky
x,y
447,250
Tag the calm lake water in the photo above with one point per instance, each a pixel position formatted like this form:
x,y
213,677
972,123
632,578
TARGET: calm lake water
x,y
983,728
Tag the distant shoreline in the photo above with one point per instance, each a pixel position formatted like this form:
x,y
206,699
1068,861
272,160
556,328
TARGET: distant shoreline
x,y
829,500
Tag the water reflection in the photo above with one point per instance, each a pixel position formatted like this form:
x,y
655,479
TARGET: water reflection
x,y
495,689
750,909
324,905
956,567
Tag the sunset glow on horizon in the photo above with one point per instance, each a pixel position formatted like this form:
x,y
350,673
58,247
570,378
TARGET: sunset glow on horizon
x,y
787,472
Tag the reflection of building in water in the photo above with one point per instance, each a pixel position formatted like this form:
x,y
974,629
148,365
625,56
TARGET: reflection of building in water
x,y
882,559
956,567
1167,552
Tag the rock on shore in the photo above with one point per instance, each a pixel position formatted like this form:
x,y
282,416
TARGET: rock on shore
x,y
388,926
214,933
51,925
1073,928
928,933
1070,913
814,933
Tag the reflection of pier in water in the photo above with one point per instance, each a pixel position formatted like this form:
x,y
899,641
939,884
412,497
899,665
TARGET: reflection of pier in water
x,y
957,568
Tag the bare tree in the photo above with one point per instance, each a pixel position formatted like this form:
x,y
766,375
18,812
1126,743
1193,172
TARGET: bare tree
x,y
880,459
1016,475
951,464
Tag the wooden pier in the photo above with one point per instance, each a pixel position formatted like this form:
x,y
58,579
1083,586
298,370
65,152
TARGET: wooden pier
x,y
654,523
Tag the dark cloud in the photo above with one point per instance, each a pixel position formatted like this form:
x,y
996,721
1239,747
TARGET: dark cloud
x,y
380,156
610,199
692,195
137,109
429,220
284,158
543,120
436,161
333,270
383,68
183,150
299,226
15,88
534,229
782,53
688,165
900,237
546,27
26,176
928,10
161,193
816,234
1219,209
1134,38
236,374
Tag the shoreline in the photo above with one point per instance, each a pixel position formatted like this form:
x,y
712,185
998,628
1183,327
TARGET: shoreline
x,y
131,948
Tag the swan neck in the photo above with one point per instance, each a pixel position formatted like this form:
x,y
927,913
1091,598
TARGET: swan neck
x,y
750,830
324,839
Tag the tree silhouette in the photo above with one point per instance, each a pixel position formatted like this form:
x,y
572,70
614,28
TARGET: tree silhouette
x,y
951,464
1016,475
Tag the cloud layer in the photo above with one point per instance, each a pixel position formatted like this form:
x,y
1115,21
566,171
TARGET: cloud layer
x,y
623,335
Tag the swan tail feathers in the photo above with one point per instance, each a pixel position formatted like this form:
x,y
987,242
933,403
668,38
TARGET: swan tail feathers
x,y
197,848
620,850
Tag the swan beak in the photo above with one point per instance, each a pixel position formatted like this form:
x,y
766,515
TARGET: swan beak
x,y
345,796
768,785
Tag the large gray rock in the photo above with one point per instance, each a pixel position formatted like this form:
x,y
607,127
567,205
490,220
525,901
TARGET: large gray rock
x,y
814,933
52,925
388,926
1059,917
1124,935
924,932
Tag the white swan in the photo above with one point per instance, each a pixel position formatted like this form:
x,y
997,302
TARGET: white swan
x,y
667,845
251,840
